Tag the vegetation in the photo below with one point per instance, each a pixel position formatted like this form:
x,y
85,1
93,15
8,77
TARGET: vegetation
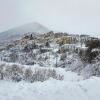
x,y
92,51
18,73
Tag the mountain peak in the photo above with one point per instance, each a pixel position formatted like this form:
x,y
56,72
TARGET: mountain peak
x,y
17,32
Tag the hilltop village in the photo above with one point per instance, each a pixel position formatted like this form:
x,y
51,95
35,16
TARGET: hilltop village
x,y
69,51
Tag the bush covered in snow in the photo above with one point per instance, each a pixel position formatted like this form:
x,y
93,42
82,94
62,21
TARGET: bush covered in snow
x,y
87,70
17,73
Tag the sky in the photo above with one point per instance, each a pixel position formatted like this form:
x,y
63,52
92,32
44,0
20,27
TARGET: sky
x,y
72,16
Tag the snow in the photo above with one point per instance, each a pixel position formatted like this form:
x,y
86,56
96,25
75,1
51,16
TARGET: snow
x,y
73,87
96,49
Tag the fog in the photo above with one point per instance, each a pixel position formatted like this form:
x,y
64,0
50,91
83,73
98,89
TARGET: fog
x,y
72,16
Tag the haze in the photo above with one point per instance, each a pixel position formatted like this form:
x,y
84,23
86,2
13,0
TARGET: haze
x,y
72,16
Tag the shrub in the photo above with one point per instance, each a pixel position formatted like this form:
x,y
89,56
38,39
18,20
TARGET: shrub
x,y
63,56
14,73
17,73
13,57
1,71
28,74
41,75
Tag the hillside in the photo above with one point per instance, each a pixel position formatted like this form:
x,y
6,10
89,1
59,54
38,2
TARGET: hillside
x,y
73,87
50,66
55,50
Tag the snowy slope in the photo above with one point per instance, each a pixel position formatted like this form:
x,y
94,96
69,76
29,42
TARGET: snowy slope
x,y
71,88
19,31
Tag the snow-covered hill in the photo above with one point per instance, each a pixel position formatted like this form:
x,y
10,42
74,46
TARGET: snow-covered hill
x,y
15,33
73,87
40,68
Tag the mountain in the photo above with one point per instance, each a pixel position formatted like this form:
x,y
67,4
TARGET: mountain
x,y
17,32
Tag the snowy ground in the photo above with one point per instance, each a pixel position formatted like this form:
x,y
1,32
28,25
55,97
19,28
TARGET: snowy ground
x,y
73,87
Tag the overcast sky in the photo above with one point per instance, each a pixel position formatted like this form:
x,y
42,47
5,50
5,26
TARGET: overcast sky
x,y
75,16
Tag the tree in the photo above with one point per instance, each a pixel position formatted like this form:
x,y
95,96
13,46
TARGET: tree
x,y
28,74
13,57
31,37
93,44
91,54
47,44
